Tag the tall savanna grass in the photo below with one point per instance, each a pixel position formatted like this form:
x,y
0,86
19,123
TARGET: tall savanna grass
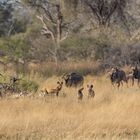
x,y
112,115
48,69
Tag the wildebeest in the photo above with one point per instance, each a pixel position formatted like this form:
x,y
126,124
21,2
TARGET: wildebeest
x,y
136,74
73,79
118,76
130,78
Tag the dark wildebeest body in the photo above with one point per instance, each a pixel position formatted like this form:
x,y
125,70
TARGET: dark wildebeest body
x,y
73,80
136,75
118,76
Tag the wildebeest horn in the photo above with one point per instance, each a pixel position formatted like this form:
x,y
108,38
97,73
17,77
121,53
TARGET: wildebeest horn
x,y
64,75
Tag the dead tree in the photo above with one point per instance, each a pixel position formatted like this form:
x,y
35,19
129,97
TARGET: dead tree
x,y
53,25
106,11
102,10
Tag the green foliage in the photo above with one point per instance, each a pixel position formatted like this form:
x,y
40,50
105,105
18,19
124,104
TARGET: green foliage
x,y
79,47
5,18
19,26
16,46
78,41
24,84
12,19
86,41
28,85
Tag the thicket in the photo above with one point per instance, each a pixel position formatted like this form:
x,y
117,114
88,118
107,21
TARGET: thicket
x,y
100,45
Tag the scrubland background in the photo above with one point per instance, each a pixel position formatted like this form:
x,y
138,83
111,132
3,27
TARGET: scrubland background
x,y
88,44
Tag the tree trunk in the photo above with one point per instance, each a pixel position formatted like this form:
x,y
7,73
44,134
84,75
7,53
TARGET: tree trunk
x,y
59,33
59,25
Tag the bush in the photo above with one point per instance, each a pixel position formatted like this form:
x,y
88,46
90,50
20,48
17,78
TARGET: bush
x,y
27,85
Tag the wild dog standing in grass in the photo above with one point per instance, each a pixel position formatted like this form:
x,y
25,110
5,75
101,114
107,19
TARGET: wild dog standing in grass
x,y
55,91
91,92
80,94
58,88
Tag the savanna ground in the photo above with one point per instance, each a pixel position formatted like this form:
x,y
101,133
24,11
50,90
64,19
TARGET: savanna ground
x,y
112,115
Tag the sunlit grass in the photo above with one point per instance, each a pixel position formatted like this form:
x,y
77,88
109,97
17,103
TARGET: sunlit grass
x,y
112,115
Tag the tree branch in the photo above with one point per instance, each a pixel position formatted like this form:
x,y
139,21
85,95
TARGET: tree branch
x,y
65,37
45,29
113,6
94,10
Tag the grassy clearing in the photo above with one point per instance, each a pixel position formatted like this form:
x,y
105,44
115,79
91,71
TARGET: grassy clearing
x,y
112,115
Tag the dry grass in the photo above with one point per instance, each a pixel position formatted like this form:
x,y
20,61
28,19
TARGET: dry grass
x,y
112,115
48,69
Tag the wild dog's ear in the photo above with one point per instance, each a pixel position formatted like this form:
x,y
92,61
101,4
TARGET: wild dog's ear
x,y
112,69
133,68
58,82
87,86
91,86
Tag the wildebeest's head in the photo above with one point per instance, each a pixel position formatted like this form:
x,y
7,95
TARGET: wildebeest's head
x,y
113,77
136,72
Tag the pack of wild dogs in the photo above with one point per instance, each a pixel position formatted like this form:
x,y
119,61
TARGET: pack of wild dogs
x,y
74,80
117,77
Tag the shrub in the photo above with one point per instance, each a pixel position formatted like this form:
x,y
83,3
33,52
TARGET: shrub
x,y
28,85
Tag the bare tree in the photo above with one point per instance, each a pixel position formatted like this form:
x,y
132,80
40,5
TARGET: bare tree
x,y
104,12
53,25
